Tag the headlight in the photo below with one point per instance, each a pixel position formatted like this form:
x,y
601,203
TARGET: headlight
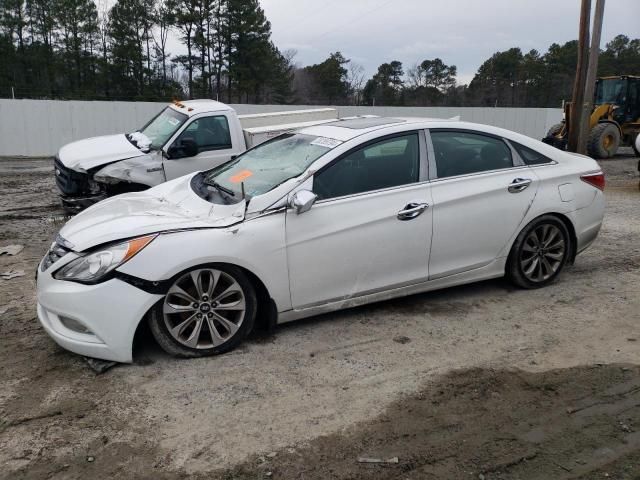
x,y
94,266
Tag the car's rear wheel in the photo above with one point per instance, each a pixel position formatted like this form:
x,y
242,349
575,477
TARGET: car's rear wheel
x,y
206,311
539,253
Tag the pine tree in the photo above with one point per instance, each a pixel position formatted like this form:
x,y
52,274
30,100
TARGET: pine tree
x,y
128,25
249,49
330,79
77,22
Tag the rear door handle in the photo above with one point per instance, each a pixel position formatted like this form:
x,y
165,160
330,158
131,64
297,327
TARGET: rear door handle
x,y
519,184
412,210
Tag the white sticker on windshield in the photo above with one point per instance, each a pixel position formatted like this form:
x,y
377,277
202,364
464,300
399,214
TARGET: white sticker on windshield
x,y
174,121
326,142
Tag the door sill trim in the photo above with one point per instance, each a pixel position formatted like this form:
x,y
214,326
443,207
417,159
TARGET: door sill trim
x,y
494,269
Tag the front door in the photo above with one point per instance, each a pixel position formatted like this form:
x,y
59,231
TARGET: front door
x,y
211,135
480,197
369,231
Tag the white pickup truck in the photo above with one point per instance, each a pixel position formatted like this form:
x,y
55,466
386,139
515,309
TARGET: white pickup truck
x,y
184,137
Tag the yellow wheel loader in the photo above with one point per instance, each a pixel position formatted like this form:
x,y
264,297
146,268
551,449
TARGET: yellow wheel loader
x,y
614,121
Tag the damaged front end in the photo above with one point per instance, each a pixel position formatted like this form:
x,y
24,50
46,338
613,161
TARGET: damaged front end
x,y
79,190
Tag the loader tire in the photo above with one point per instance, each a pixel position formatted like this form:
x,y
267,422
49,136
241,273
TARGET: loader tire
x,y
554,130
604,140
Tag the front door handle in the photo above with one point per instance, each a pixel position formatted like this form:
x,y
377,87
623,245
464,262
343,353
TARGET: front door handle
x,y
519,184
412,210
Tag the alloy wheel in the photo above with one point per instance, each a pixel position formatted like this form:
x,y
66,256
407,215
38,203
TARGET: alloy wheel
x,y
204,308
542,253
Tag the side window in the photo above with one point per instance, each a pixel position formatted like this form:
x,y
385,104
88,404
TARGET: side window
x,y
385,164
209,133
529,156
462,153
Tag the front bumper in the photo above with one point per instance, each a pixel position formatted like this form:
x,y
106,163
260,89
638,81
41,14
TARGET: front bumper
x,y
97,321
76,204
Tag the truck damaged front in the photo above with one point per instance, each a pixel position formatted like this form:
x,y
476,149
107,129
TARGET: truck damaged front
x,y
93,169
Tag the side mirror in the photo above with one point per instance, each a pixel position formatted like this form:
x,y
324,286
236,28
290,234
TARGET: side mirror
x,y
189,147
302,201
185,147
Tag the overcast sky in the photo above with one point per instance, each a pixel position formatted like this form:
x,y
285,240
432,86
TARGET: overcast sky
x,y
461,32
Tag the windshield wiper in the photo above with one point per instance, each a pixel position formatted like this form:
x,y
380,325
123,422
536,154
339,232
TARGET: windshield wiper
x,y
217,186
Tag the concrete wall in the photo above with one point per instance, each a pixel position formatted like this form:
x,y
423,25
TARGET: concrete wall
x,y
41,127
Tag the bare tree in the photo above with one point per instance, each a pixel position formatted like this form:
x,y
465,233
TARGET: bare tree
x,y
355,79
104,35
415,76
163,20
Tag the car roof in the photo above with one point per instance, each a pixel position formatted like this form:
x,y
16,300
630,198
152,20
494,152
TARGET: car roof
x,y
335,131
348,128
195,107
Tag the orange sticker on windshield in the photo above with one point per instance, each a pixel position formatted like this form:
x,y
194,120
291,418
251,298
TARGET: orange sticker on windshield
x,y
240,176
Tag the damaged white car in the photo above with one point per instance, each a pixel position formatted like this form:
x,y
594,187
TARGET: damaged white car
x,y
328,217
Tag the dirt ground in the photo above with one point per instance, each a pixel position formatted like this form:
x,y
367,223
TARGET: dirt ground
x,y
481,382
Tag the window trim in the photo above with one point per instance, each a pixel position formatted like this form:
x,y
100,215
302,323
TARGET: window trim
x,y
550,162
193,119
423,165
433,168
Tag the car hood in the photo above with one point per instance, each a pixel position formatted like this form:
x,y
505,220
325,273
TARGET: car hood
x,y
93,152
170,206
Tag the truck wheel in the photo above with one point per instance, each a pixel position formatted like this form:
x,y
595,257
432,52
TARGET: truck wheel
x,y
603,141
553,131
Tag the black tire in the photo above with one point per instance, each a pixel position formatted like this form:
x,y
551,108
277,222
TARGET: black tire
x,y
518,256
554,130
160,329
603,141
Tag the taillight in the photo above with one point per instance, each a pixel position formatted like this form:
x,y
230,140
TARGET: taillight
x,y
594,179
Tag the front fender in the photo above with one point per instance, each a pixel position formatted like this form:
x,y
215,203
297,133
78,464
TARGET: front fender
x,y
257,245
145,170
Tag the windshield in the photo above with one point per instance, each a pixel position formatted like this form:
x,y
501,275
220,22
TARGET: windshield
x,y
162,127
610,91
271,163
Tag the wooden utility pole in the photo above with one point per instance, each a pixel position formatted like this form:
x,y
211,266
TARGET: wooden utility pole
x,y
592,71
577,99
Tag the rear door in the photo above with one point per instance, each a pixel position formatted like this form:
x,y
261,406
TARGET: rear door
x,y
481,192
215,146
370,228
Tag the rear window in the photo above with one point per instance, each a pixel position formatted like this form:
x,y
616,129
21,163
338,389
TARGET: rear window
x,y
530,156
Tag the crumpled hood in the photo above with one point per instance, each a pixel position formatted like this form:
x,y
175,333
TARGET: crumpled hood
x,y
170,206
92,152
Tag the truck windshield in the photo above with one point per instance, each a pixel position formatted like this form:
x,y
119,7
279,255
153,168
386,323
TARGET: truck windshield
x,y
162,127
269,164
610,91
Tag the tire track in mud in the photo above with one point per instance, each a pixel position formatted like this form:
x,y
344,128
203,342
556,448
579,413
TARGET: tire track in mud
x,y
483,423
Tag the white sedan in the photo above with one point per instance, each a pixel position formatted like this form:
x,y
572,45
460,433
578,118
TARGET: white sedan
x,y
325,218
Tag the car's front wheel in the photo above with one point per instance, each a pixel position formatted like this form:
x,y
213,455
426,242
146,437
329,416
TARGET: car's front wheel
x,y
206,311
539,253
